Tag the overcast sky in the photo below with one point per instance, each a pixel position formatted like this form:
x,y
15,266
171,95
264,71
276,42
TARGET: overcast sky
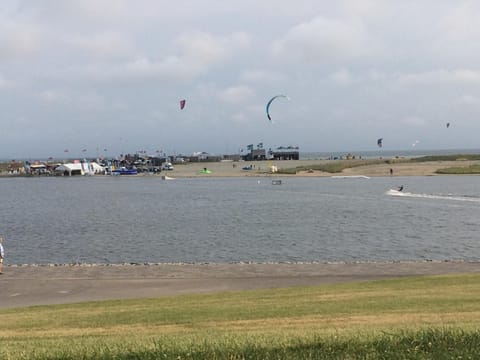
x,y
109,75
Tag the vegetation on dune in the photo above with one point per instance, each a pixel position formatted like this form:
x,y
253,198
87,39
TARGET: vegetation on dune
x,y
455,157
466,170
337,166
410,318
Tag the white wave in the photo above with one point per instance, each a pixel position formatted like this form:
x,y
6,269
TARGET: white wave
x,y
393,192
350,177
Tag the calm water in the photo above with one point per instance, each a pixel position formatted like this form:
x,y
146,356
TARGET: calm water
x,y
145,219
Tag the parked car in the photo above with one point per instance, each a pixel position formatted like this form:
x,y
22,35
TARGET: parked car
x,y
167,166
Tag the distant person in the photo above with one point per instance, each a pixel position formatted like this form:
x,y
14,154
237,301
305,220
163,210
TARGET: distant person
x,y
2,255
400,188
391,172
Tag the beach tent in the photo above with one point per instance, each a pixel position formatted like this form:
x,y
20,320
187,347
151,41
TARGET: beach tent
x,y
78,168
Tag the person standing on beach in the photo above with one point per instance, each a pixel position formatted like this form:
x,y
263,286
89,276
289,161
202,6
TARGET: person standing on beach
x,y
2,254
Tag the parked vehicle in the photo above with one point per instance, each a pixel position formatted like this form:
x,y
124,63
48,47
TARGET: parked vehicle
x,y
167,166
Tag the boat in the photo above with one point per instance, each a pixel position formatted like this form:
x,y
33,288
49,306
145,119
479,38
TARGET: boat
x,y
165,177
124,171
276,182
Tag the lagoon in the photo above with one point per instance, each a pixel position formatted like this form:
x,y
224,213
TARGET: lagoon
x,y
196,220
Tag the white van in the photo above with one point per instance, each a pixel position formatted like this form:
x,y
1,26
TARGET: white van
x,y
167,166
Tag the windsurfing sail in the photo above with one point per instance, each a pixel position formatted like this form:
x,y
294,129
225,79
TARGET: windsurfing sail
x,y
182,104
270,102
379,142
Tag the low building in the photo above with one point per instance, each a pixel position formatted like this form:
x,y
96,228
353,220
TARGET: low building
x,y
285,153
255,155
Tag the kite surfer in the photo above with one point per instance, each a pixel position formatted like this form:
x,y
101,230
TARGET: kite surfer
x,y
400,188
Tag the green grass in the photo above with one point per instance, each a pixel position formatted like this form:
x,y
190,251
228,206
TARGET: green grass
x,y
410,318
465,170
454,157
338,166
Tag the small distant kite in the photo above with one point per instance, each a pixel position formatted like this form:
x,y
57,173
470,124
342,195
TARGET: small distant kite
x,y
379,142
270,102
182,104
448,125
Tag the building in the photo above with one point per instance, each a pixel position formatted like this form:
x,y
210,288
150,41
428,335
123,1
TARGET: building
x,y
285,153
255,155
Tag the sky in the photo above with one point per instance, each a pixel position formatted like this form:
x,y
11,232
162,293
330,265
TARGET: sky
x,y
106,77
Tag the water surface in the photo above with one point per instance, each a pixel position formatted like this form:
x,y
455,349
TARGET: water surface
x,y
144,219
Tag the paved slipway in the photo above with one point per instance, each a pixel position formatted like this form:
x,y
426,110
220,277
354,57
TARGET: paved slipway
x,y
29,285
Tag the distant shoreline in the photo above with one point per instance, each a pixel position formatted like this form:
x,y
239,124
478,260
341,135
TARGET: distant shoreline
x,y
262,168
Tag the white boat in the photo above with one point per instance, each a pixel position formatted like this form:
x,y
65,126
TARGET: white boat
x,y
165,177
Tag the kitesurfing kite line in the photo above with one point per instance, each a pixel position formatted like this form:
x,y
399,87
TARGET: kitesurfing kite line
x,y
270,102
379,142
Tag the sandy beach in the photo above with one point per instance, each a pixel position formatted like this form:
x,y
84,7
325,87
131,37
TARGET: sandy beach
x,y
30,285
261,168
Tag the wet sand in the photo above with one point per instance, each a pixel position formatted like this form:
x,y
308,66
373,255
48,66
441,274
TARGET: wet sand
x,y
30,285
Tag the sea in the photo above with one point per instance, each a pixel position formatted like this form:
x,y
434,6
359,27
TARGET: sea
x,y
144,219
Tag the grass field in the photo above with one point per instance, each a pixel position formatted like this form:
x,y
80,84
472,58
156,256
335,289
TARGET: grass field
x,y
410,318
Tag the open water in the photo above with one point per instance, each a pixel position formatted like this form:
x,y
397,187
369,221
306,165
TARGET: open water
x,y
145,219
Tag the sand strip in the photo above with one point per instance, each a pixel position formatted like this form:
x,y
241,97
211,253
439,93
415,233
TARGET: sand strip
x,y
59,284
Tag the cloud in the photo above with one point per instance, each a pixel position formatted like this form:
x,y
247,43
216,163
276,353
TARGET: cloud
x,y
459,76
53,96
323,39
106,44
342,77
415,121
18,39
194,54
236,95
5,84
210,49
467,100
260,76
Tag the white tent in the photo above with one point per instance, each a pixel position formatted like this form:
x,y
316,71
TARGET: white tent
x,y
79,168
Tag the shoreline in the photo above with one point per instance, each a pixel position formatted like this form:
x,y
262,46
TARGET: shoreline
x,y
261,169
32,285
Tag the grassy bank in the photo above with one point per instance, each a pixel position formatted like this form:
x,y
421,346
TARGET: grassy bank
x,y
338,166
458,170
418,317
335,166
